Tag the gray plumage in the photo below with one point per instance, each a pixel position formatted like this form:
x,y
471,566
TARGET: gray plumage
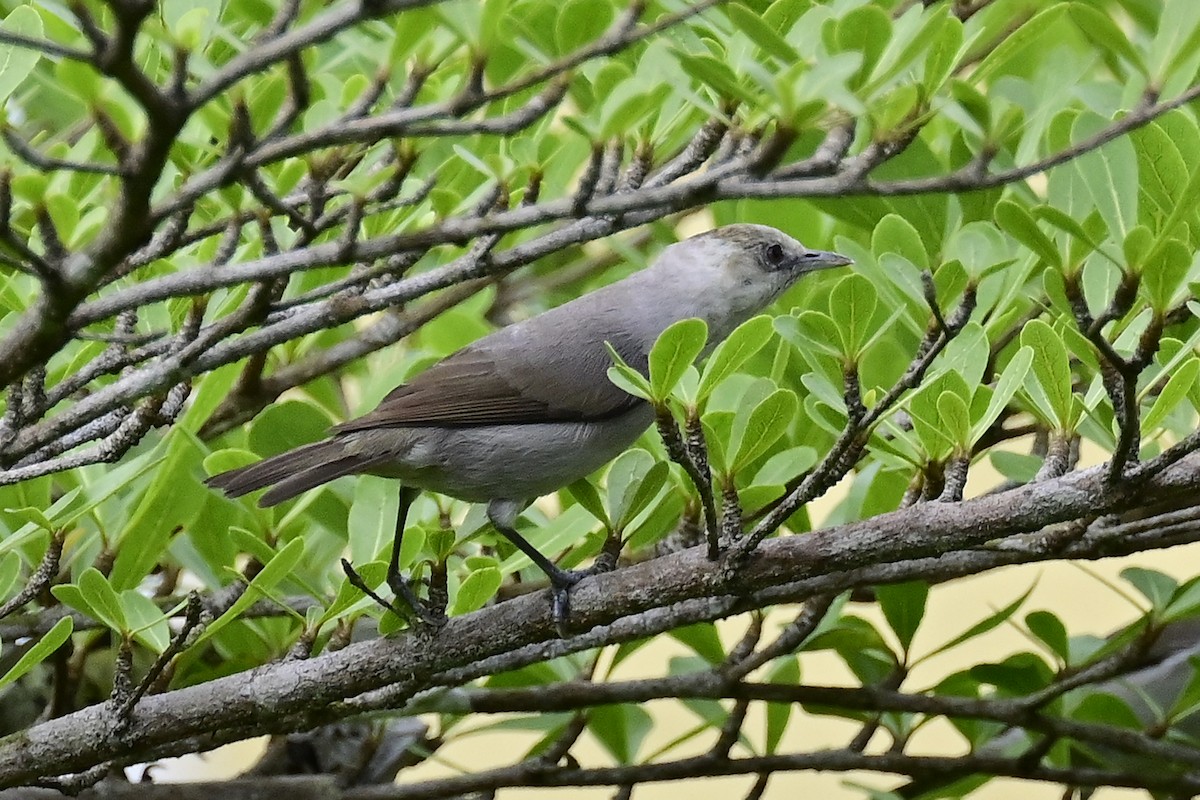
x,y
529,408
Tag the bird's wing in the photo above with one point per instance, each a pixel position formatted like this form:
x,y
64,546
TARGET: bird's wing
x,y
498,382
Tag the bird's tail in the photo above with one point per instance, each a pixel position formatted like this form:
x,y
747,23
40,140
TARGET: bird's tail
x,y
288,474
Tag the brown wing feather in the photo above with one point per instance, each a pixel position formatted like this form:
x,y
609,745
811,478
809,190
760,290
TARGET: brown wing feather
x,y
474,387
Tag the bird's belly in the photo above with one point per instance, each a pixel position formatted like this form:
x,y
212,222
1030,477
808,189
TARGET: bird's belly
x,y
517,462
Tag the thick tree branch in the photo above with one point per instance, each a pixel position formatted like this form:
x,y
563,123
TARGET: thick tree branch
x,y
784,569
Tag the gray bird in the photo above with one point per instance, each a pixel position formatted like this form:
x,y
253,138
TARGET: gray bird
x,y
529,409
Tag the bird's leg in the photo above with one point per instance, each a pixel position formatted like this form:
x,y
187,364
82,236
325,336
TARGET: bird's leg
x,y
503,515
395,580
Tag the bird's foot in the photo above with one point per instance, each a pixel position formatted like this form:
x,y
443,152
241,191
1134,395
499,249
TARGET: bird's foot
x,y
428,615
561,582
415,611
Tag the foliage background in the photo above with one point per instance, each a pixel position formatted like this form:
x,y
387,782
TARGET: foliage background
x,y
215,219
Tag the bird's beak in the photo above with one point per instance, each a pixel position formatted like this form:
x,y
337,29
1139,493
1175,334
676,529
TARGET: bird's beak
x,y
813,260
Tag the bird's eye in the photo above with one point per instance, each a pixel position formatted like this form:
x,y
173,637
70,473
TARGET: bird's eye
x,y
773,255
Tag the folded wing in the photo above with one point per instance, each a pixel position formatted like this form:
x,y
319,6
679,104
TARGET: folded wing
x,y
502,380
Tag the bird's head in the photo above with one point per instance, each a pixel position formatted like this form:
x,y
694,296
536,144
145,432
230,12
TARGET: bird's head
x,y
762,255
735,271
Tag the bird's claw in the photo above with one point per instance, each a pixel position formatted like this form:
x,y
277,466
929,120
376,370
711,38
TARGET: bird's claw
x,y
560,598
415,612
426,615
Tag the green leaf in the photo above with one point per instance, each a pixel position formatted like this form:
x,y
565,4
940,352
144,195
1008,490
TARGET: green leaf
x,y
761,33
1110,174
586,495
852,306
621,729
1105,709
251,543
626,377
956,418
988,623
895,234
272,573
1100,29
715,74
1014,44
620,119
213,387
189,30
1068,225
746,340
373,574
46,646
581,21
284,425
1051,632
634,479
491,23
1017,467
1018,223
1052,368
675,350
784,671
371,525
811,331
1182,381
441,542
1162,169
16,63
944,47
479,587
61,513
1155,586
865,30
1176,39
171,501
903,605
703,640
191,23
768,421
1182,209
228,459
32,516
1010,381
147,622
926,419
649,488
10,567
1164,272
1188,701
1019,674
69,594
718,434
786,465
102,599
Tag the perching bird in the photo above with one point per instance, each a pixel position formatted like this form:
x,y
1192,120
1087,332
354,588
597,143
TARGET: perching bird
x,y
529,409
